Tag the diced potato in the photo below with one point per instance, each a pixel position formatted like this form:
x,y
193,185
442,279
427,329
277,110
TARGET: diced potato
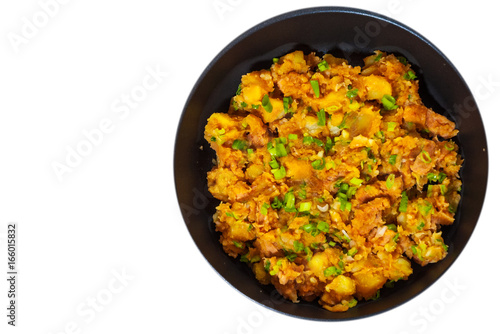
x,y
293,61
219,181
254,86
222,127
297,169
377,86
318,264
401,268
260,273
253,171
239,230
367,283
342,285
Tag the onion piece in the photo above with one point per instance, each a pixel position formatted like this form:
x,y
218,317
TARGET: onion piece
x,y
323,208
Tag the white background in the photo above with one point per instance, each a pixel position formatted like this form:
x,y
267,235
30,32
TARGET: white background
x,y
103,247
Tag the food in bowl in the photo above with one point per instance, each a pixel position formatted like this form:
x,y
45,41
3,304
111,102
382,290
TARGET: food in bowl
x,y
333,178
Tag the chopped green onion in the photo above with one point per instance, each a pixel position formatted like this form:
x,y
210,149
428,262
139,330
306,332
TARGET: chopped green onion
x,y
318,142
352,303
287,101
441,241
417,251
238,244
392,159
441,177
302,193
321,117
391,126
323,227
244,258
305,206
239,144
450,146
330,165
308,140
279,173
235,105
308,228
403,60
425,209
345,205
276,268
323,66
403,205
267,265
380,135
390,181
250,151
342,124
436,178
344,187
390,284
352,251
238,91
276,204
231,214
376,296
392,227
289,202
266,104
280,140
351,191
355,181
292,136
329,144
389,102
281,150
276,60
290,256
318,164
255,106
342,196
315,87
410,75
352,93
298,246
263,208
378,57
430,190
274,164
332,271
426,157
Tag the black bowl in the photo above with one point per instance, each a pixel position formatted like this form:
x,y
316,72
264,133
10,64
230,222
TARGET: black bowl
x,y
352,34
